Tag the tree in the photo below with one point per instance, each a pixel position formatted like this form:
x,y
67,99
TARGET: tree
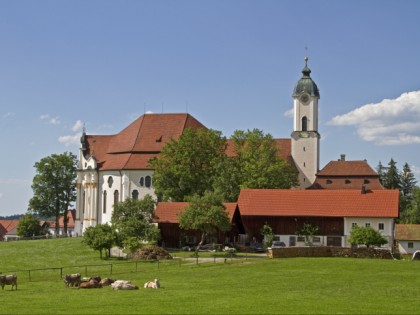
x,y
308,231
381,170
392,176
54,187
134,218
206,214
366,236
188,166
267,233
413,210
100,237
29,226
407,181
255,164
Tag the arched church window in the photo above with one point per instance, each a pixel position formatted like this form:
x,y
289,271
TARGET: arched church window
x,y
304,123
110,181
135,194
141,181
116,197
148,181
104,203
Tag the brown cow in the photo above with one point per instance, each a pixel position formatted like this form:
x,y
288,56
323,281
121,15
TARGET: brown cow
x,y
72,279
8,280
91,284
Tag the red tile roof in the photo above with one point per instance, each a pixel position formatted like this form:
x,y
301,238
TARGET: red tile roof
x,y
407,232
283,145
347,168
143,139
167,212
9,225
71,214
328,203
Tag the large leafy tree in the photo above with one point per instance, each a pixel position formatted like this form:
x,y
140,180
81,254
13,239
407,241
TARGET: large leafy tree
x,y
100,237
29,226
255,164
54,187
134,219
366,236
189,165
206,214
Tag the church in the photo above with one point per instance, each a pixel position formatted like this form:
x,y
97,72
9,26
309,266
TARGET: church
x,y
113,168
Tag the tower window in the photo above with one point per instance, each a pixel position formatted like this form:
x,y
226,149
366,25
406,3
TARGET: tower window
x,y
110,181
141,182
304,123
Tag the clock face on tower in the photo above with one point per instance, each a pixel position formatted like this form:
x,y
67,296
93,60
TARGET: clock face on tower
x,y
304,99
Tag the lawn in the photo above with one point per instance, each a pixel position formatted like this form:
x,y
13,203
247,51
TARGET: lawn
x,y
238,286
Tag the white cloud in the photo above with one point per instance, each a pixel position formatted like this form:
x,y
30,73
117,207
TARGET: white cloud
x,y
77,126
389,122
51,120
9,114
70,139
1,195
289,113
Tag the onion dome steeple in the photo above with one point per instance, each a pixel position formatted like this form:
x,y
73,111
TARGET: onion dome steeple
x,y
306,84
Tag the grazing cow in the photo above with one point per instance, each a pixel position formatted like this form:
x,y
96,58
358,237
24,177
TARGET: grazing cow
x,y
72,280
155,284
91,284
123,285
9,280
106,281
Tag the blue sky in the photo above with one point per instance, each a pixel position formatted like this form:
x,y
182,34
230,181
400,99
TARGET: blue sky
x,y
231,64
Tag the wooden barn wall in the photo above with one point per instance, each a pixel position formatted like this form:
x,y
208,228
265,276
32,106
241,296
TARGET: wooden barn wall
x,y
329,226
171,235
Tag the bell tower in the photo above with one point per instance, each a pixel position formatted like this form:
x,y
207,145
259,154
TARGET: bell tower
x,y
305,137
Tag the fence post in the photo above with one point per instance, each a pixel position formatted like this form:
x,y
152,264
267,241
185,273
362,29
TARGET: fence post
x,y
29,275
61,273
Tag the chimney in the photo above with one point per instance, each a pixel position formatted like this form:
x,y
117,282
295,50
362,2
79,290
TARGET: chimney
x,y
363,190
342,157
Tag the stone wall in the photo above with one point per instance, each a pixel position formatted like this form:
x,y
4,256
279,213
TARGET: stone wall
x,y
364,252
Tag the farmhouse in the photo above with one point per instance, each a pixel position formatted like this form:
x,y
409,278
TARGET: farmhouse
x,y
8,230
407,237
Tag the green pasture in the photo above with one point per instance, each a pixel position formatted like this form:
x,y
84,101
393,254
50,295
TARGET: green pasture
x,y
241,285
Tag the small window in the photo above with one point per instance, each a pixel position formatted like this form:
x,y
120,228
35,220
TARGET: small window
x,y
381,226
347,181
135,194
110,181
301,238
353,225
316,239
104,203
148,181
116,197
304,123
304,164
329,181
367,224
141,181
410,245
366,181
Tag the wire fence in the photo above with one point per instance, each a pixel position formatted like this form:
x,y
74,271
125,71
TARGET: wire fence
x,y
54,273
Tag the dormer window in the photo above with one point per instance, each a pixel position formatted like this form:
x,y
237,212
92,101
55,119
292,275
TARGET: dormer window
x,y
366,181
329,181
347,181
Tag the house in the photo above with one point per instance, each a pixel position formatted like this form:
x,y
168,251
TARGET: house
x,y
407,237
334,212
8,230
344,174
113,168
173,236
71,214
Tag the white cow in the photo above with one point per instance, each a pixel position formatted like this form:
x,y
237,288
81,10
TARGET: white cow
x,y
123,285
155,284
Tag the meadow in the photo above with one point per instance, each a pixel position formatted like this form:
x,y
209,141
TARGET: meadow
x,y
242,285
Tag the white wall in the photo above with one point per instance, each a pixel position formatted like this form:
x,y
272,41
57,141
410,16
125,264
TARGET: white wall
x,y
387,232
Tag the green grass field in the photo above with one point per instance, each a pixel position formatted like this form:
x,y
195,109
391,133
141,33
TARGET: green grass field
x,y
239,286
